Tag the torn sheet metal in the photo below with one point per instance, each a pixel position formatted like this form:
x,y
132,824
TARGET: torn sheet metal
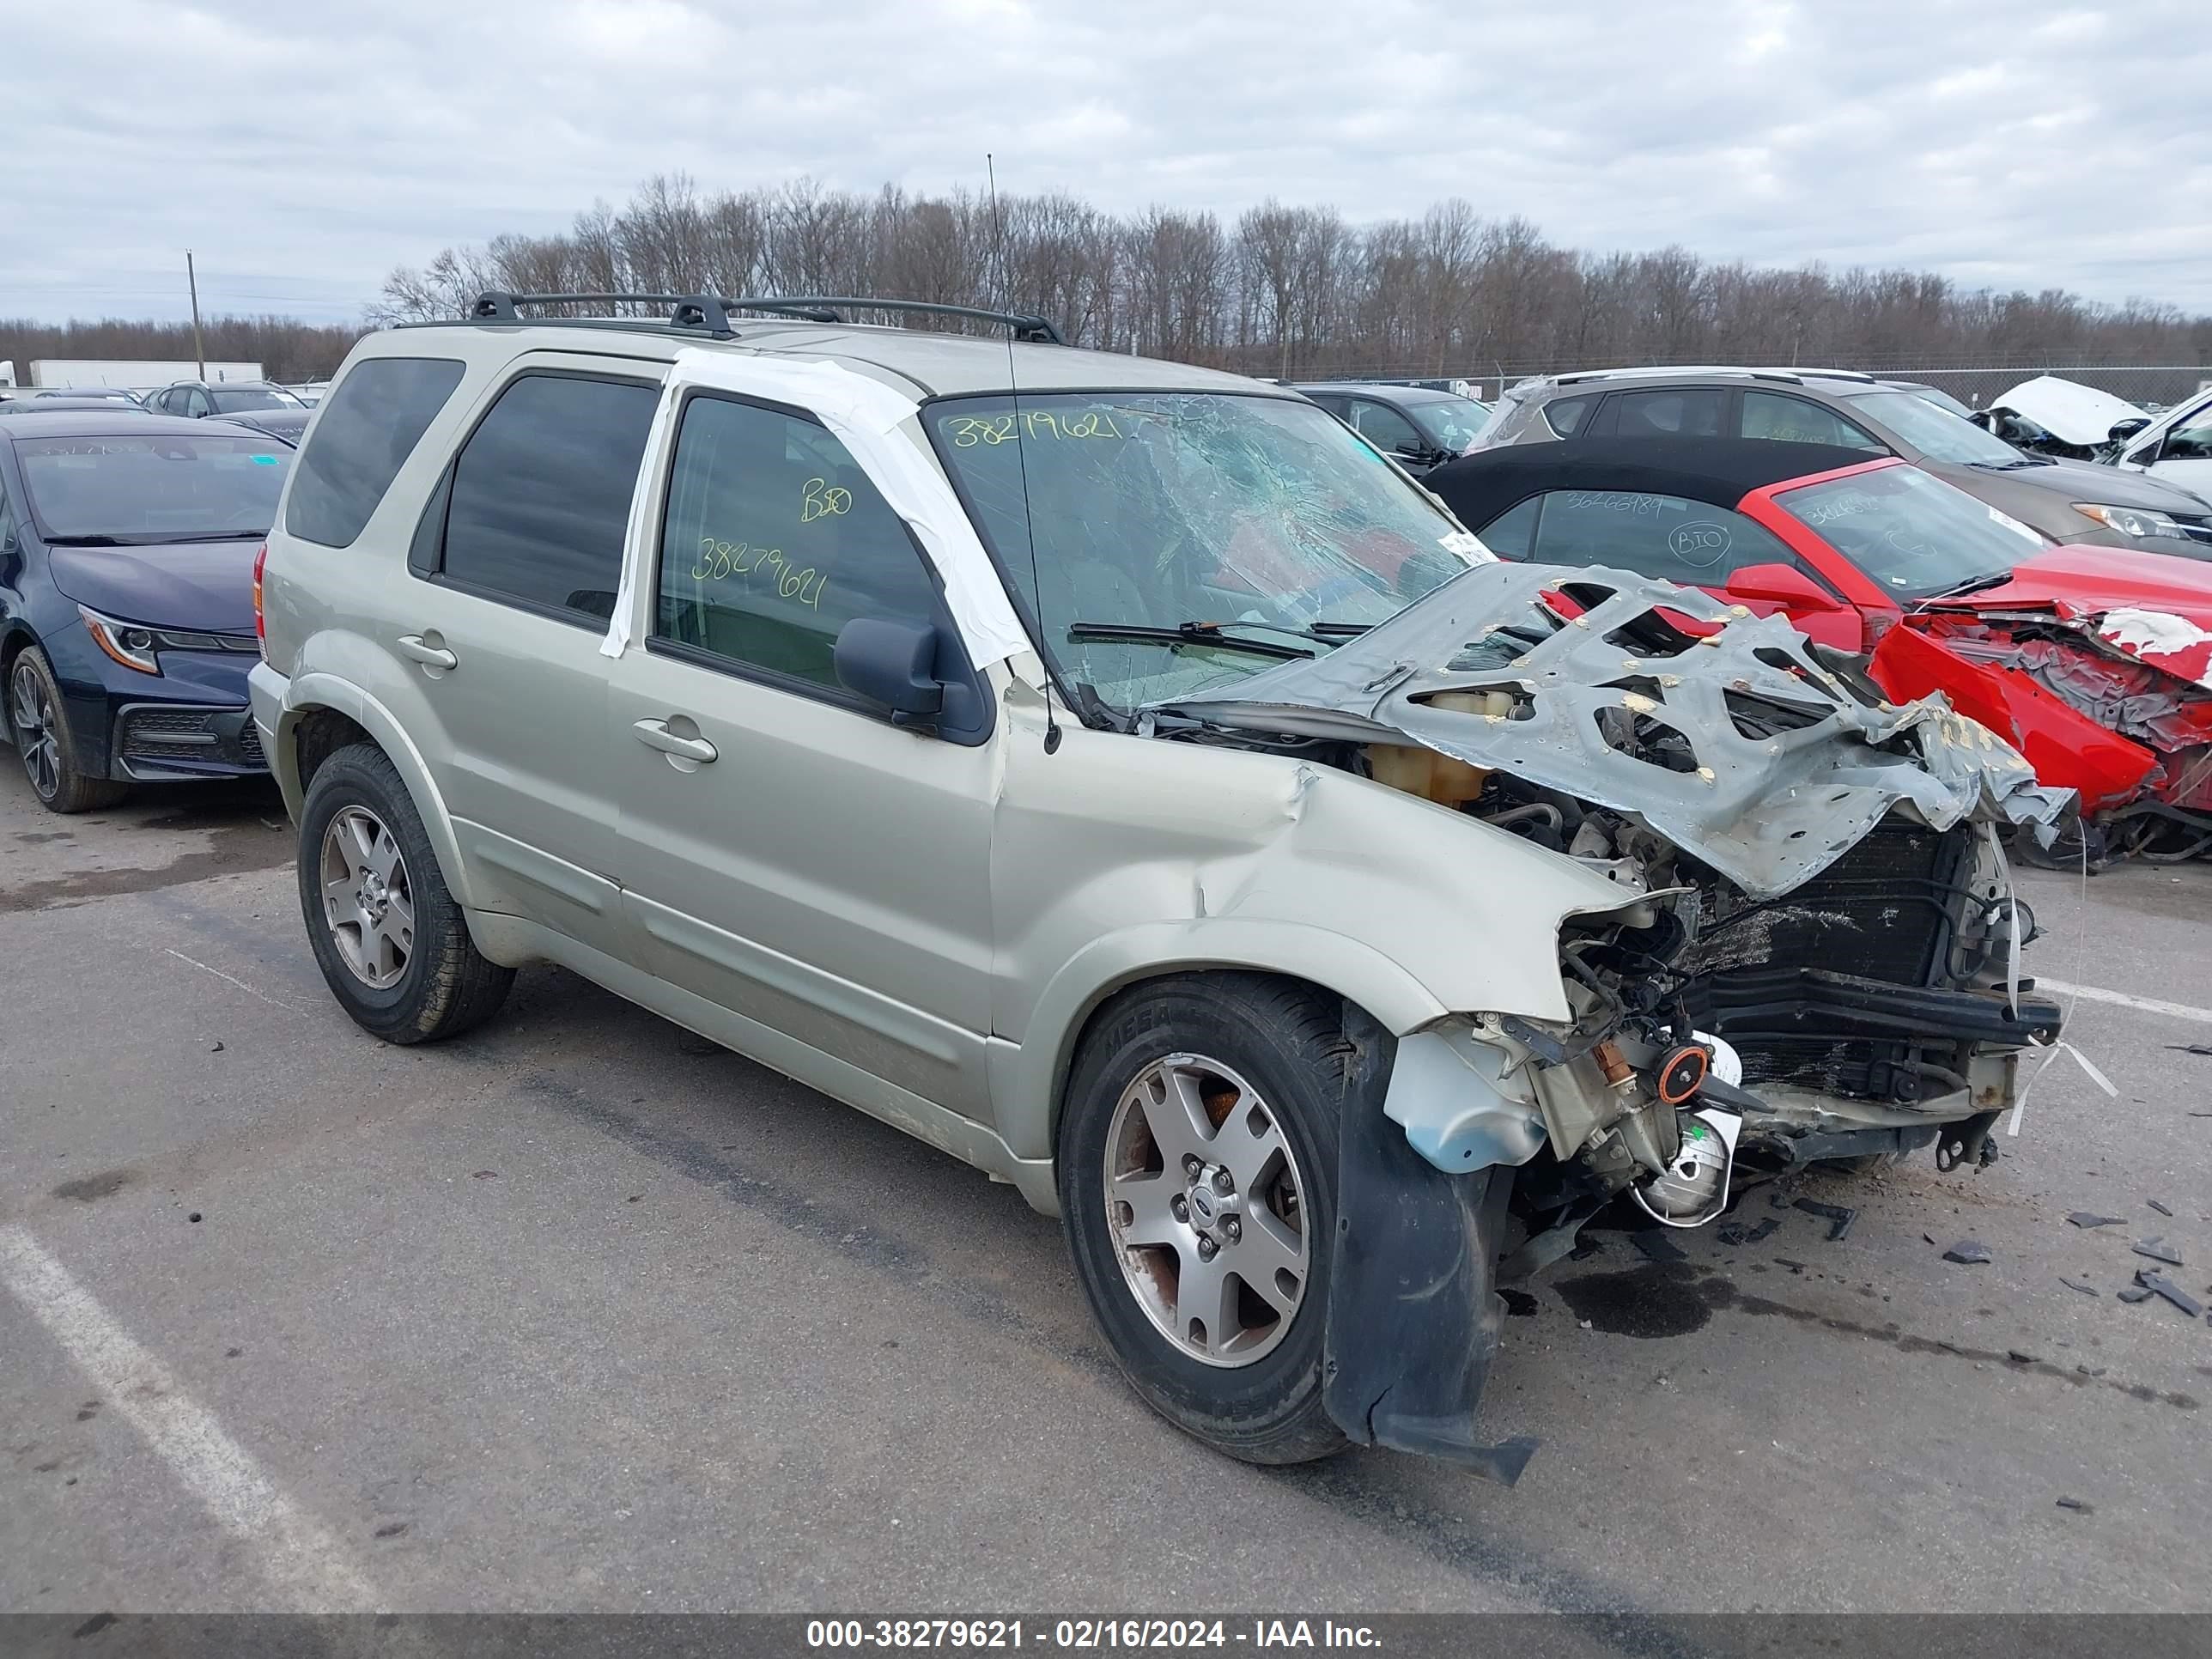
x,y
1739,746
865,415
2069,411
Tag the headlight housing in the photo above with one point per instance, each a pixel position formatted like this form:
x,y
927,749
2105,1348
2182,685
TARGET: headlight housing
x,y
128,643
2131,520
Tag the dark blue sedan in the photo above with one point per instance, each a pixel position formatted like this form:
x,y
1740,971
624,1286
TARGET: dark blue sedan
x,y
127,544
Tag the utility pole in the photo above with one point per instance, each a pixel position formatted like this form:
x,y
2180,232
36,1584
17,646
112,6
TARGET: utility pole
x,y
199,351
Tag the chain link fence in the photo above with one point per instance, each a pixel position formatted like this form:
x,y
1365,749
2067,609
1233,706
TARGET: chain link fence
x,y
2150,386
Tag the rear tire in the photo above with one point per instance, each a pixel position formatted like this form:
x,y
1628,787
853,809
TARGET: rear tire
x,y
391,939
1224,1338
39,723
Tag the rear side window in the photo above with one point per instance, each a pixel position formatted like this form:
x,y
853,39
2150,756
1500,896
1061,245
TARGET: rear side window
x,y
540,496
1508,534
1565,415
1688,412
370,424
774,540
1692,543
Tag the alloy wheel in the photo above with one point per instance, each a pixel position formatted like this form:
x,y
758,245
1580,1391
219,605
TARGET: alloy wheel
x,y
1207,1210
368,902
30,711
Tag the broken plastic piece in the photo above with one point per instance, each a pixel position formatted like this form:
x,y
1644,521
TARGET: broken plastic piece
x,y
2158,1250
1839,1219
1765,1229
2087,1218
2135,1293
2076,1284
2159,1207
2159,1285
1968,1253
2190,1048
2077,1506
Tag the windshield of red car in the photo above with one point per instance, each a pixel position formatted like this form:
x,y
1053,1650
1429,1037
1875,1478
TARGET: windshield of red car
x,y
136,490
1913,535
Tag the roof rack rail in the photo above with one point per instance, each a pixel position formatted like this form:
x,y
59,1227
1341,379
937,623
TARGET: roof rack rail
x,y
710,313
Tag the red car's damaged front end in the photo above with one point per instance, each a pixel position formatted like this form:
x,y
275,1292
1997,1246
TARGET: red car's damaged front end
x,y
2096,663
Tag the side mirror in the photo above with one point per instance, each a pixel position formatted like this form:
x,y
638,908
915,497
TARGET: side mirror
x,y
892,663
1783,585
2123,430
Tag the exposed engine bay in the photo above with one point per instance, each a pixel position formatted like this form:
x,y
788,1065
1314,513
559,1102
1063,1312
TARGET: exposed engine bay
x,y
1816,952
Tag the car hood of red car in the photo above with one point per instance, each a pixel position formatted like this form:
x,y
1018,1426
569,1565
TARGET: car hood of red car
x,y
2151,606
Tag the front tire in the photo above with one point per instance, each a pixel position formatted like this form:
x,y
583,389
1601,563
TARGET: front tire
x,y
44,743
1198,1177
389,938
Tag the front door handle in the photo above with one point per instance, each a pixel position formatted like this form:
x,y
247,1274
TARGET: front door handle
x,y
655,734
430,656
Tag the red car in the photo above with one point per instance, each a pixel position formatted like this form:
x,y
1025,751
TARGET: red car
x,y
2095,662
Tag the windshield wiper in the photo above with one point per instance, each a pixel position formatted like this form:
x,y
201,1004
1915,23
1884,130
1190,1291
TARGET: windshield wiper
x,y
1192,633
1971,585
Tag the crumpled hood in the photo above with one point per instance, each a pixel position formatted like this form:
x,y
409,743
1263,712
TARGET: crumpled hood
x,y
202,585
1769,803
2068,410
2082,581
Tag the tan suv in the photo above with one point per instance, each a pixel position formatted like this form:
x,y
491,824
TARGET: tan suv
x,y
1123,778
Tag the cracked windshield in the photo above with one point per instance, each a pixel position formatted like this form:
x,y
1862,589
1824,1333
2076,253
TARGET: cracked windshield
x,y
1183,539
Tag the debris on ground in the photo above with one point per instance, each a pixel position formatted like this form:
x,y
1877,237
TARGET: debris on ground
x,y
215,1048
2077,1506
1657,1247
2190,1048
1968,1253
1839,1219
485,1174
2022,1357
2076,1284
2159,1285
2158,1250
1735,1232
2159,1207
2090,1219
2135,1293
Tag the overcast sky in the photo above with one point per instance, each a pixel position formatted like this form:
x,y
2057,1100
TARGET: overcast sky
x,y
301,150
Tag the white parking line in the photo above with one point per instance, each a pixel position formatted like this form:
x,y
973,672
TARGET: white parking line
x,y
2059,988
301,1561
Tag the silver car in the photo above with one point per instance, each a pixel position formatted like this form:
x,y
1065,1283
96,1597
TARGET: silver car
x,y
1123,777
2067,501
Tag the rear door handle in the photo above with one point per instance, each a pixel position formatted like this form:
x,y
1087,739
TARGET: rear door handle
x,y
430,656
655,734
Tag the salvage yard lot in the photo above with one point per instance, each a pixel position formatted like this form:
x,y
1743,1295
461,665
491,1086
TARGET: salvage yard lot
x,y
577,1312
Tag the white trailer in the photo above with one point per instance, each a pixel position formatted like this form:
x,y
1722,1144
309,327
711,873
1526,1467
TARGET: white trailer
x,y
137,374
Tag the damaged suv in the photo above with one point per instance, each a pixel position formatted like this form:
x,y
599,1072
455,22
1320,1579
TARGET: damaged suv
x,y
1126,780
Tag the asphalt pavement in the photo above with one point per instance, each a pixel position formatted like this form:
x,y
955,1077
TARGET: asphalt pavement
x,y
578,1313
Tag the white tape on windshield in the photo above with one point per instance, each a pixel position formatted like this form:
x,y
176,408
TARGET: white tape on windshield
x,y
866,416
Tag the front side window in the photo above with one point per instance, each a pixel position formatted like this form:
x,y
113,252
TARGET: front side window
x,y
377,415
1913,534
135,491
196,404
1155,509
1686,412
774,538
1695,543
1799,420
1385,427
227,402
541,493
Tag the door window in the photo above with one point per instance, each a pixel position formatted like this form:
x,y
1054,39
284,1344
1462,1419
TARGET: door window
x,y
1386,429
1684,412
1509,534
774,540
1692,543
1565,415
1797,420
196,404
541,494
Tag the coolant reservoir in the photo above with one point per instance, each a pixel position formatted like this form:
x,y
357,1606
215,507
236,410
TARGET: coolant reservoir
x,y
1425,773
